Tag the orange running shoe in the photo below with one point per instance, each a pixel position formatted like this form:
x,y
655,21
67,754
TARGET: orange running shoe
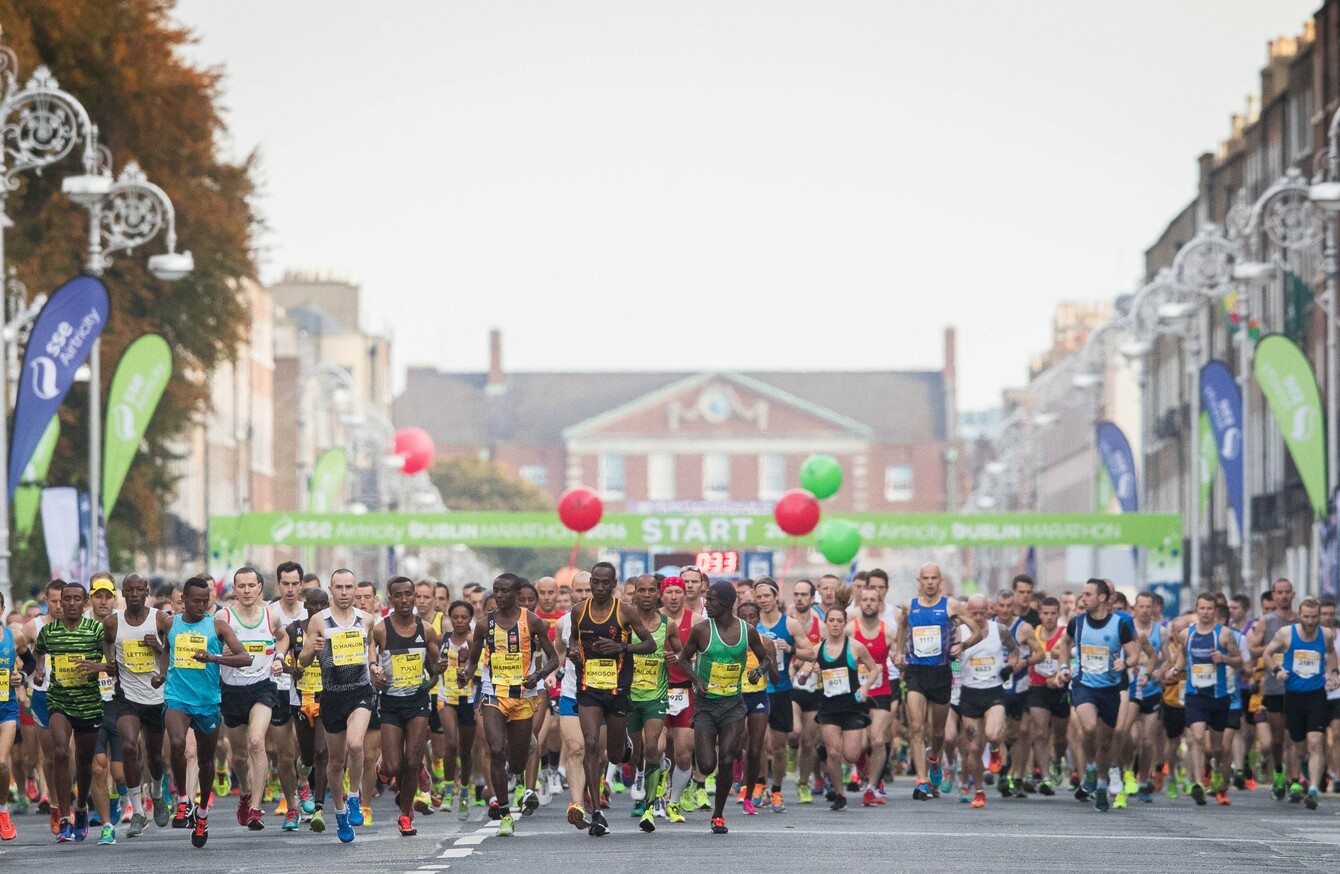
x,y
995,762
1222,797
7,832
979,800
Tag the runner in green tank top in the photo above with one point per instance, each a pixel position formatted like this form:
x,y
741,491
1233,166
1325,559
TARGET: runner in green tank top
x,y
650,694
721,643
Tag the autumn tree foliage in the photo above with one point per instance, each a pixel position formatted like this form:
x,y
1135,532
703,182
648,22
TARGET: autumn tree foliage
x,y
121,59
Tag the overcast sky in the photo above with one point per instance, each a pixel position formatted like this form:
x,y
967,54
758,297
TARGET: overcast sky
x,y
749,184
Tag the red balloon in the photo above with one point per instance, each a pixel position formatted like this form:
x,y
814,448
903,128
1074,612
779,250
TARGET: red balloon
x,y
416,447
797,512
580,509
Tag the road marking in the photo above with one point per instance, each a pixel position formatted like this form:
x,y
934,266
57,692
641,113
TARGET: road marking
x,y
454,853
471,840
1031,836
433,867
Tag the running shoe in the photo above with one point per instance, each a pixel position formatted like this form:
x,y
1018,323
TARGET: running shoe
x,y
839,802
1295,795
639,790
577,816
803,794
719,826
182,818
463,805
243,810
7,832
749,808
318,823
1222,797
305,796
407,828
367,815
639,808
993,765
344,829
1004,787
355,809
529,802
979,799
291,821
256,820
648,821
1311,799
937,774
1198,794
517,794
1100,802
65,833
868,798
1278,787
555,783
113,808
1130,786
700,799
1119,801
108,836
921,791
1239,780
200,833
599,828
658,808
506,826
1172,790
1090,779
80,825
222,785
1146,793
138,822
447,802
672,813
495,810
162,811
778,804
1216,782
1046,788
423,803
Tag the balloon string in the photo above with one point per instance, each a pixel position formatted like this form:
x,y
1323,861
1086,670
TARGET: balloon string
x,y
572,560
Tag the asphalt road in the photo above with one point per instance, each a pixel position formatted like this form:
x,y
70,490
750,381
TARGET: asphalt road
x,y
1039,834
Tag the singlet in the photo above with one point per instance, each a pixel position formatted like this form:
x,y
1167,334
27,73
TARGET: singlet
x,y
1305,660
1019,681
344,658
1203,676
1148,689
284,682
1333,694
879,652
71,692
751,664
929,629
9,663
612,673
780,632
651,680
679,679
981,663
258,641
721,665
509,651
192,683
1235,697
38,622
449,688
1270,684
810,682
568,686
1098,650
136,662
307,687
1049,667
552,619
404,660
840,677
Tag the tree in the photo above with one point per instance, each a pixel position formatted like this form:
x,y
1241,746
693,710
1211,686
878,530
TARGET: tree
x,y
471,483
120,59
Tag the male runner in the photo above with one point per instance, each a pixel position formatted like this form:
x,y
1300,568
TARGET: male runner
x,y
304,700
190,666
1206,654
983,667
720,643
599,646
679,702
873,633
12,642
927,641
337,638
790,642
1270,736
39,733
1146,696
457,711
281,741
108,757
805,692
1302,656
649,693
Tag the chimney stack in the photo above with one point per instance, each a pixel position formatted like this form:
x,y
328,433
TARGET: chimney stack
x,y
497,380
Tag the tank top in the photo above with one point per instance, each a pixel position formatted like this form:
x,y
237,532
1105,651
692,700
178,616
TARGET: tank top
x,y
306,689
1048,667
613,674
449,688
1305,660
810,682
678,678
1203,676
1098,651
879,652
980,665
750,664
552,619
509,652
136,662
344,659
779,631
189,682
1142,681
1019,682
404,660
8,663
929,627
721,665
284,682
651,681
840,679
1270,684
258,641
38,622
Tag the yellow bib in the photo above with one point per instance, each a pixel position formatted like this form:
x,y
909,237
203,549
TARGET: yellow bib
x,y
602,673
139,656
406,670
66,671
346,647
184,650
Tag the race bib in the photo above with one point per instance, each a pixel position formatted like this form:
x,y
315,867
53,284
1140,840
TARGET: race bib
x,y
1048,667
139,657
1094,659
677,702
255,648
66,672
407,670
983,667
310,681
106,687
724,678
837,681
602,673
1202,676
283,682
1306,663
646,673
4,685
184,650
926,641
346,647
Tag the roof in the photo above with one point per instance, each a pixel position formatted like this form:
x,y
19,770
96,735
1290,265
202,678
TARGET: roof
x,y
895,406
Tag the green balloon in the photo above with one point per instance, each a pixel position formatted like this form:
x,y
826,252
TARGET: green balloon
x,y
839,540
821,475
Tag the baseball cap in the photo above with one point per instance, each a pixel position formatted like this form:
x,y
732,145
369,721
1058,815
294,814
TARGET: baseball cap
x,y
102,584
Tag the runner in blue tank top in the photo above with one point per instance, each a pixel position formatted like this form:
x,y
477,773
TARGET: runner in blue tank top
x,y
1205,651
1103,644
927,641
1303,656
1146,697
792,644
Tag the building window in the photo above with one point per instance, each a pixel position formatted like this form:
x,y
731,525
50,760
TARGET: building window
x,y
771,476
898,483
611,475
535,474
660,476
716,476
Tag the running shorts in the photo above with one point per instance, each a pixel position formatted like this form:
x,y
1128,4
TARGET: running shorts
x,y
512,709
643,712
782,716
974,703
1209,710
1304,713
237,701
717,713
933,682
1107,701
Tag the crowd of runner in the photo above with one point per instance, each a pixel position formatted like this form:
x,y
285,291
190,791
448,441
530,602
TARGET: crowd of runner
x,y
118,708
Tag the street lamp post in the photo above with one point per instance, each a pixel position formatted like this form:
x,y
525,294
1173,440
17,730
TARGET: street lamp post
x,y
122,216
1326,194
39,125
